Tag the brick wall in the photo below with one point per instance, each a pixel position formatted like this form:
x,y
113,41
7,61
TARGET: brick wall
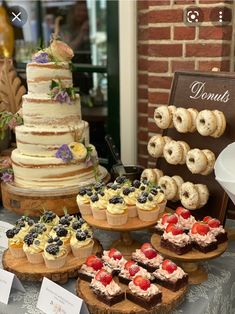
x,y
165,45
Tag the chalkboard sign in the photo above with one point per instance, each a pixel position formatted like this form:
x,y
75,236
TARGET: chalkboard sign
x,y
203,90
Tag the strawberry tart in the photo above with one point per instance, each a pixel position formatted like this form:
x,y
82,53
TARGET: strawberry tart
x,y
164,221
175,240
147,257
130,270
142,292
114,259
186,220
106,289
203,239
171,276
217,229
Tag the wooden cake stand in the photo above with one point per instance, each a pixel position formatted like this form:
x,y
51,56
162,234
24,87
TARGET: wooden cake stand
x,y
126,244
170,300
31,272
189,261
29,202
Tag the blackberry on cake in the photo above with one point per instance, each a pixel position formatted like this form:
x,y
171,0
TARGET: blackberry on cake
x,y
147,257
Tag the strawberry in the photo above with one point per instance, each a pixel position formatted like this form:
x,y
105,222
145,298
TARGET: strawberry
x,y
168,218
145,246
179,210
115,254
150,253
143,283
104,277
175,230
169,227
128,264
112,251
165,218
185,214
214,223
97,264
194,227
207,218
90,260
202,228
134,269
169,266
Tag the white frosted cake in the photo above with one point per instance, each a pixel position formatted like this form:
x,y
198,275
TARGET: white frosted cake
x,y
53,144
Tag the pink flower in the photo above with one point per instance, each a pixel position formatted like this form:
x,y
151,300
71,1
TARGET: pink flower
x,y
12,123
61,51
6,163
7,177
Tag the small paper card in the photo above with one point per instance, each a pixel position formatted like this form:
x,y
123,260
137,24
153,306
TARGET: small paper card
x,y
4,226
7,282
55,299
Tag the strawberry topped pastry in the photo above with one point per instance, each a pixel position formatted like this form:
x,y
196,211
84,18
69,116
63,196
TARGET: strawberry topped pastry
x,y
164,221
186,220
203,239
175,240
142,292
92,265
216,229
147,257
114,259
171,276
130,270
106,289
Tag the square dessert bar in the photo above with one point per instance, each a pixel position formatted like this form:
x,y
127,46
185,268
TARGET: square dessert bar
x,y
109,300
205,249
145,302
180,250
174,286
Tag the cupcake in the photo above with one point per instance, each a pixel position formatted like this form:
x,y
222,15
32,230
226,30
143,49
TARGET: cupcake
x,y
111,190
15,242
82,244
130,195
147,208
116,211
33,248
54,255
66,220
83,201
64,234
98,205
159,198
122,181
25,223
49,218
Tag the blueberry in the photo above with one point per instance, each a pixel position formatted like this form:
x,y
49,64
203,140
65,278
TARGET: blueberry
x,y
81,220
101,193
154,191
121,179
50,240
142,188
145,181
145,194
17,230
37,242
76,225
109,185
94,198
150,198
142,199
89,193
30,222
116,200
52,249
136,184
64,221
82,192
60,242
10,233
56,239
126,191
98,186
81,235
132,189
34,234
61,232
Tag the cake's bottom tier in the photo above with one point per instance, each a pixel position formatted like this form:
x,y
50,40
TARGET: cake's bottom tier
x,y
49,172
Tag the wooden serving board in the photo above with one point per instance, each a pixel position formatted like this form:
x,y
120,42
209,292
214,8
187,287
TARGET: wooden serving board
x,y
170,300
31,272
183,94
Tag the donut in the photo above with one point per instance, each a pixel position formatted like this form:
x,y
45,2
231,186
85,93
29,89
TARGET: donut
x,y
194,113
185,148
167,139
169,187
196,160
155,146
173,152
149,175
158,174
220,122
179,181
206,122
172,111
203,193
162,117
182,120
189,195
210,156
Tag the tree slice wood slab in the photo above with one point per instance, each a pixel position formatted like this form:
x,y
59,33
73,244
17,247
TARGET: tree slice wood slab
x,y
31,272
170,300
192,256
29,202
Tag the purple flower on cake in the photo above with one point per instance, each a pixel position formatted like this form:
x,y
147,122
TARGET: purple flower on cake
x,y
64,153
7,177
62,96
41,57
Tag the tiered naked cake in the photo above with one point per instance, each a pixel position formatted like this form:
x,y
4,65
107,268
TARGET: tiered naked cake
x,y
53,148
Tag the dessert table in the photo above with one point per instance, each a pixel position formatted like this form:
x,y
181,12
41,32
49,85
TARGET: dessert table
x,y
214,296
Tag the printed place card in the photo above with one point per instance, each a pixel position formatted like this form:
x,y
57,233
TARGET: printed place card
x,y
55,299
4,226
7,282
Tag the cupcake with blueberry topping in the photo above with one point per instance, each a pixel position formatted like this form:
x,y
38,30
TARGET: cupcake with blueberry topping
x,y
116,211
98,205
66,220
82,244
112,189
15,242
54,255
49,218
147,208
64,234
159,198
130,195
83,201
25,223
122,181
33,248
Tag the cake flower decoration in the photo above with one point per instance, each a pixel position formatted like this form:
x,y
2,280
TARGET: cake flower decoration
x,y
64,153
40,57
7,175
78,150
62,94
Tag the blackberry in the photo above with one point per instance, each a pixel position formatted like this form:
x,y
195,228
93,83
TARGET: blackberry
x,y
116,200
81,235
94,198
109,185
76,225
50,240
142,199
28,239
82,192
126,191
136,184
56,239
64,221
60,242
61,232
10,233
52,249
121,179
145,194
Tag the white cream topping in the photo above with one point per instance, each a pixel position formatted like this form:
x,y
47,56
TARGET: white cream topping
x,y
174,276
116,209
179,239
77,244
149,205
139,256
114,263
142,272
216,231
111,289
203,240
186,223
91,271
83,199
100,204
152,290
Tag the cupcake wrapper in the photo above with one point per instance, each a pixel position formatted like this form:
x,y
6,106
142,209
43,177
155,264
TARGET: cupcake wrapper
x,y
55,264
132,211
85,209
116,220
36,258
162,207
99,214
146,215
17,252
83,252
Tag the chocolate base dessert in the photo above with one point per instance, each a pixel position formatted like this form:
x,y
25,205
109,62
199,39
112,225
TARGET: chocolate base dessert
x,y
174,286
85,277
148,267
145,302
158,230
222,237
126,280
205,249
175,248
109,300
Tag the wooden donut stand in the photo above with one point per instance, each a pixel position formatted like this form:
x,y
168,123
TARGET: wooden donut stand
x,y
35,272
170,300
189,261
29,202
